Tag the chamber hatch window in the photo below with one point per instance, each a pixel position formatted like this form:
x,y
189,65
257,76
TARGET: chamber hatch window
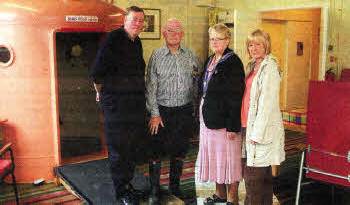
x,y
6,55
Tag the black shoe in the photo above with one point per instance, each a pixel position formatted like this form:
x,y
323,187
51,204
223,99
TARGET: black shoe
x,y
136,193
214,199
154,199
177,192
127,199
154,176
175,175
126,195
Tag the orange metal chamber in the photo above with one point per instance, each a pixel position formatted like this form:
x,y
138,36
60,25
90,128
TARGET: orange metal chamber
x,y
28,84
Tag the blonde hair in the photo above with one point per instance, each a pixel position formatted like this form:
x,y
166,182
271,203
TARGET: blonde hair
x,y
220,28
260,35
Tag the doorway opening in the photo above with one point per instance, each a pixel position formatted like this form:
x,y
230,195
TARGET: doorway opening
x,y
295,41
80,120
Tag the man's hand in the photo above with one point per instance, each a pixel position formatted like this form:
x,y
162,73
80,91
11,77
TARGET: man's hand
x,y
154,124
232,135
98,90
97,97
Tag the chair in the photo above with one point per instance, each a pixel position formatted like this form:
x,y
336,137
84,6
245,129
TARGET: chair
x,y
327,156
345,75
7,166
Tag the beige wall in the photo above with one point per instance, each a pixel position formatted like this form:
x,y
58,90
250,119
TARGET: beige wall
x,y
338,26
194,19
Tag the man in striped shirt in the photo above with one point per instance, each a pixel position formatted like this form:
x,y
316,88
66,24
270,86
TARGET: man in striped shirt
x,y
170,93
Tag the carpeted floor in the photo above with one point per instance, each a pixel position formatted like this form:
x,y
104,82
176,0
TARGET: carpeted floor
x,y
313,192
48,193
285,184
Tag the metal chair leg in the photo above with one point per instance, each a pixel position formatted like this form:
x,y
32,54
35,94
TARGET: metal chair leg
x,y
299,178
332,194
15,187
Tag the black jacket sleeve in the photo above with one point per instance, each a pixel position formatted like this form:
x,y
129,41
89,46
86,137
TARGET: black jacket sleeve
x,y
105,59
235,85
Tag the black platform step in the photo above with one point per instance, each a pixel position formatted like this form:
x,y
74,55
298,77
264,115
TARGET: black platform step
x,y
92,182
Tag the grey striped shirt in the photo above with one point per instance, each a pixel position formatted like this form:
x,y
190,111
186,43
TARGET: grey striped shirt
x,y
171,78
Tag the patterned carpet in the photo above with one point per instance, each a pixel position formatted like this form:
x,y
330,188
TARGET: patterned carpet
x,y
49,193
295,119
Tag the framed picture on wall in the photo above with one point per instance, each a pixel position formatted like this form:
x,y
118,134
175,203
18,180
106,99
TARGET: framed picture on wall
x,y
151,26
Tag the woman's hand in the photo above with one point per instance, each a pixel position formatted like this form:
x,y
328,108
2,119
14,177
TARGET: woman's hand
x,y
252,142
232,135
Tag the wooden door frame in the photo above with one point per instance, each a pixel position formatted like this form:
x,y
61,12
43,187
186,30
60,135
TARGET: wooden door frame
x,y
322,56
283,67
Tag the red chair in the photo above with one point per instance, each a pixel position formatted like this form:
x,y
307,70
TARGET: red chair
x,y
327,157
345,75
7,166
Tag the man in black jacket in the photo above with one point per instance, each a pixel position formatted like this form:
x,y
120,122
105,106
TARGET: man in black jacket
x,y
118,76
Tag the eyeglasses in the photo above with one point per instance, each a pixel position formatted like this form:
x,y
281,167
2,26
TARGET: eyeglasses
x,y
135,20
173,30
255,45
216,39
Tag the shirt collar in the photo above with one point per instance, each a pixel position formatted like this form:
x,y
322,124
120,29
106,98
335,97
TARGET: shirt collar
x,y
167,50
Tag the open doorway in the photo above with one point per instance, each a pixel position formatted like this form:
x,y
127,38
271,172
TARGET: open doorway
x,y
80,121
295,41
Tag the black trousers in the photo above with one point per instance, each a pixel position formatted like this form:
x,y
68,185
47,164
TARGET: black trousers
x,y
124,144
173,138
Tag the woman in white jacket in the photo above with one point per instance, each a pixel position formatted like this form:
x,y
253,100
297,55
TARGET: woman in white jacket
x,y
262,127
